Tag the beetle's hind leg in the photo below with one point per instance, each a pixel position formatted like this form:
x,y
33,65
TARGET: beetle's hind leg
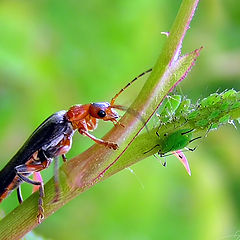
x,y
56,180
64,157
23,171
19,194
56,177
20,171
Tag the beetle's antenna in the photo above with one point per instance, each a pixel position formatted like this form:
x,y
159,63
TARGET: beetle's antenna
x,y
131,111
115,97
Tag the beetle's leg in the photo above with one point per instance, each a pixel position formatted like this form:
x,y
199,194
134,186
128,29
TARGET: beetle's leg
x,y
36,177
56,180
20,170
99,141
64,157
25,169
19,194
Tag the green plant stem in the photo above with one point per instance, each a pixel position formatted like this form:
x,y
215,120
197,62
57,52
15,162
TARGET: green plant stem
x,y
81,172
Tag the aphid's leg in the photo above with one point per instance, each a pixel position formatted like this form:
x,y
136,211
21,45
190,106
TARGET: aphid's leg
x,y
165,155
99,141
19,194
164,163
64,157
191,149
159,159
162,156
158,126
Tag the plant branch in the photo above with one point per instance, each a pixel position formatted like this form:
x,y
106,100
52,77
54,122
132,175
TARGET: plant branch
x,y
83,171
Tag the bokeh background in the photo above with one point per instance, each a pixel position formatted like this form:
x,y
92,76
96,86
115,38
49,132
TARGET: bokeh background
x,y
56,53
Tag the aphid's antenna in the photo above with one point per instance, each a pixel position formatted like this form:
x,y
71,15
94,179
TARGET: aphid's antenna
x,y
157,145
187,133
116,96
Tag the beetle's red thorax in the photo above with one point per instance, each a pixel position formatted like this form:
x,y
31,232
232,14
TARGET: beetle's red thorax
x,y
78,112
79,116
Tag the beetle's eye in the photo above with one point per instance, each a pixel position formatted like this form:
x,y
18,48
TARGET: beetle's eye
x,y
101,113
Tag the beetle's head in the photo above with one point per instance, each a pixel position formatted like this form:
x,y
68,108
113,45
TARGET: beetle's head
x,y
104,111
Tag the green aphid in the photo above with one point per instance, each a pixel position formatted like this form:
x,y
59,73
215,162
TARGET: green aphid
x,y
175,141
238,96
227,94
211,100
202,123
172,103
214,126
224,106
163,119
183,108
193,115
162,106
214,114
235,105
224,119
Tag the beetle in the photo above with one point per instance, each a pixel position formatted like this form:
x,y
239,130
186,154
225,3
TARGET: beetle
x,y
53,138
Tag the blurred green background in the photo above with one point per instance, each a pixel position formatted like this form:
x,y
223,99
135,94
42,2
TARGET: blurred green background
x,y
57,53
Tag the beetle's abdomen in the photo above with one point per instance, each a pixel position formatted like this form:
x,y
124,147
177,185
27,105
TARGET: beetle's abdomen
x,y
14,184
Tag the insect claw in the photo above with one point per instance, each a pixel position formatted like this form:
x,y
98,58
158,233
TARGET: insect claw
x,y
112,145
120,124
115,122
64,158
56,199
40,216
192,149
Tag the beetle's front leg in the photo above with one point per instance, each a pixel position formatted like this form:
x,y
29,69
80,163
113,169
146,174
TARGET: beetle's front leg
x,y
99,141
88,125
